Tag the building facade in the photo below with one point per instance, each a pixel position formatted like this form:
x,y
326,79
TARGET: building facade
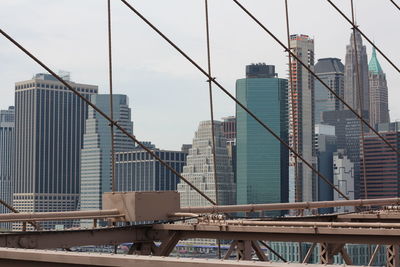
x,y
379,103
7,158
325,146
49,127
343,179
137,170
348,133
199,169
331,71
301,114
382,166
96,151
351,87
262,162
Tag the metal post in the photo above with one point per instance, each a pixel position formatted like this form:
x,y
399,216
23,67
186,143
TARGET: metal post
x,y
325,255
392,257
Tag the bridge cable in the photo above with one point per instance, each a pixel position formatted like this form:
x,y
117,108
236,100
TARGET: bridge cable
x,y
14,210
315,76
366,37
113,182
294,109
360,98
104,115
265,126
396,5
212,114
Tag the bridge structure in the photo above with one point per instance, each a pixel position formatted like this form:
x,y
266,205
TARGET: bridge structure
x,y
154,222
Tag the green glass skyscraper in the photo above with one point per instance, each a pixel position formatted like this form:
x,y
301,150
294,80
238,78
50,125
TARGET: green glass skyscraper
x,y
262,162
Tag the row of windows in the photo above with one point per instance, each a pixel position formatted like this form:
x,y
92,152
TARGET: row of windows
x,y
52,86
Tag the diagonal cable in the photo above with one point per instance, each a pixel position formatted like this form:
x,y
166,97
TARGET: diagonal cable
x,y
104,115
315,76
11,208
366,38
396,5
265,126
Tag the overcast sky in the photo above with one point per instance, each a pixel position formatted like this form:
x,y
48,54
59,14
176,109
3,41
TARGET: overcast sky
x,y
168,96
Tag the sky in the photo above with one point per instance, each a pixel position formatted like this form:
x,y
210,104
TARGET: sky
x,y
168,96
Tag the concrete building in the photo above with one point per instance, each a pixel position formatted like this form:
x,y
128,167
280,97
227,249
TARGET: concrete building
x,y
137,170
262,161
351,88
301,114
325,146
331,71
49,128
378,91
343,178
96,151
382,166
199,169
7,154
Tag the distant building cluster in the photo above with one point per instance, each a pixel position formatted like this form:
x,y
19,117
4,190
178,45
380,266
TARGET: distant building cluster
x,y
55,150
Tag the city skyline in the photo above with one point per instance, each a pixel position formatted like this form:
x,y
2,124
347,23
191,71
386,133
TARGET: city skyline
x,y
151,76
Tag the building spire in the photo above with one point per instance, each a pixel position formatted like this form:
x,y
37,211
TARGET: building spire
x,y
374,65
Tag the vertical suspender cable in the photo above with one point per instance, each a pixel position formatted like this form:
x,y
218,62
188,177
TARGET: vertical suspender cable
x,y
360,96
111,98
293,109
212,115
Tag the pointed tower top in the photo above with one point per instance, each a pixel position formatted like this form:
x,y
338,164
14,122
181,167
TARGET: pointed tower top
x,y
374,65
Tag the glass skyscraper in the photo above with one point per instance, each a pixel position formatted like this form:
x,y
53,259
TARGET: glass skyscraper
x,y
6,158
49,127
96,152
262,162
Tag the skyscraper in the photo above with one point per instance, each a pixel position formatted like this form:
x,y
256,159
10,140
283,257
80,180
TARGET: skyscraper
x,y
6,158
137,170
379,106
301,114
96,152
348,133
199,169
262,161
382,164
343,178
331,71
351,95
49,127
325,142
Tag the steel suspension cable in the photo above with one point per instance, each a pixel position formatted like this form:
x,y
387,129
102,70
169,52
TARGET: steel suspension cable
x,y
211,101
212,113
360,97
396,5
294,107
104,115
111,97
366,37
265,126
315,75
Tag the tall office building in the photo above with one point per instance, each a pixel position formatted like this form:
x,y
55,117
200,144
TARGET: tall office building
x,y
199,169
325,146
351,88
137,170
301,114
49,127
7,154
262,161
331,71
96,151
382,166
229,130
343,178
378,91
348,133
